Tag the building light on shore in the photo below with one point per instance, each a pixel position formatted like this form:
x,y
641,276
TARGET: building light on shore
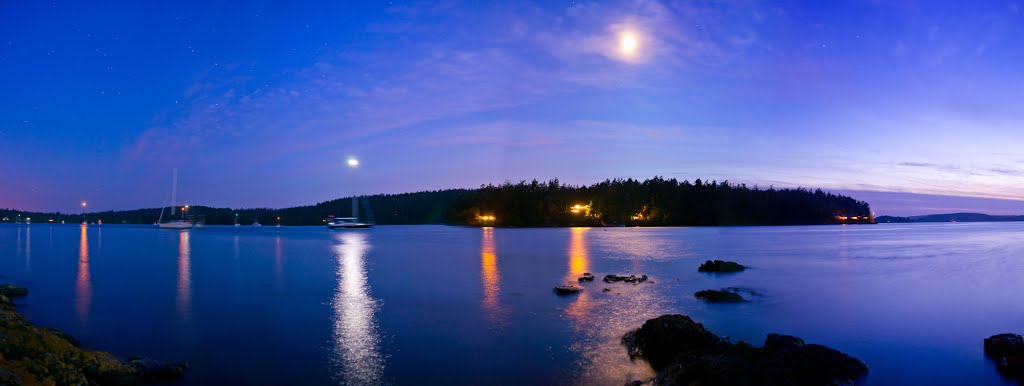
x,y
578,208
485,218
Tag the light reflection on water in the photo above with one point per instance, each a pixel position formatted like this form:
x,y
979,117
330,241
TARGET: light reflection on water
x,y
579,263
28,248
602,318
489,275
356,338
420,306
184,276
83,285
278,263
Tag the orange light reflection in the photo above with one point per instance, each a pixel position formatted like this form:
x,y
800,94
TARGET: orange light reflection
x,y
83,285
489,274
579,263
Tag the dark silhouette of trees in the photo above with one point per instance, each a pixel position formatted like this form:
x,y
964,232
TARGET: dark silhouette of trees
x,y
653,202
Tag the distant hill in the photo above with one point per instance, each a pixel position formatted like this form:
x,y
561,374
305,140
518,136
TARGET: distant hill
x,y
949,217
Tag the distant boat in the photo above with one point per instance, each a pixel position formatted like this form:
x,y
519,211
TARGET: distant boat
x,y
346,223
256,224
175,223
351,222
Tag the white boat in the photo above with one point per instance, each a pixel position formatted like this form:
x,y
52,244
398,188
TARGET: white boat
x,y
346,223
175,223
351,222
256,224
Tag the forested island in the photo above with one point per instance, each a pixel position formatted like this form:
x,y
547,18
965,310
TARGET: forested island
x,y
619,202
951,217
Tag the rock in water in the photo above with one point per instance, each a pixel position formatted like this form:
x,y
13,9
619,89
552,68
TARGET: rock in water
x,y
719,296
661,339
152,369
568,289
1008,352
11,290
586,277
685,353
628,279
719,266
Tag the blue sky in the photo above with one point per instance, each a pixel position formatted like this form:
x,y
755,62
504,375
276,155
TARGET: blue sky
x,y
261,104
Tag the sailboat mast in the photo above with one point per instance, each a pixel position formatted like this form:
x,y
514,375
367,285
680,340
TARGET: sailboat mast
x,y
174,191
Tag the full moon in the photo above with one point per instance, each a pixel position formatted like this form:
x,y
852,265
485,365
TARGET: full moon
x,y
628,43
352,162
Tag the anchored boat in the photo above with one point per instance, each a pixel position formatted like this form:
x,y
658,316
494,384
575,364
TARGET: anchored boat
x,y
352,222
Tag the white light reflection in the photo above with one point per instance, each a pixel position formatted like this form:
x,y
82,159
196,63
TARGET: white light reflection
x,y
184,275
28,249
602,357
278,264
356,339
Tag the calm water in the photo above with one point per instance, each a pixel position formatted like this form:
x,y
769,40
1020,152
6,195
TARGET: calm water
x,y
434,304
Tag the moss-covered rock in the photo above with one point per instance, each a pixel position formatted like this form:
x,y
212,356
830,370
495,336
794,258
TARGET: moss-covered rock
x,y
32,355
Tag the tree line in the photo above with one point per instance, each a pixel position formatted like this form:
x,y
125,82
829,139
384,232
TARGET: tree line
x,y
652,202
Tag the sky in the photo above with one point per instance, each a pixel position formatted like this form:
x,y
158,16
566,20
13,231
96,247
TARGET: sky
x,y
913,106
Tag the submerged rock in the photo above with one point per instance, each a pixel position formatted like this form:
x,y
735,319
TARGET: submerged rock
x,y
719,266
1008,352
586,277
568,289
628,279
719,296
685,353
151,369
11,290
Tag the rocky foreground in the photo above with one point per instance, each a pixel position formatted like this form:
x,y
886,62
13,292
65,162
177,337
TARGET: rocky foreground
x,y
1008,352
685,353
33,355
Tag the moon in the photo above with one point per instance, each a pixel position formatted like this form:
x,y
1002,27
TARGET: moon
x,y
628,43
352,162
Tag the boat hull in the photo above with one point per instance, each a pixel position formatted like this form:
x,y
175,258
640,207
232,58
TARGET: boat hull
x,y
349,226
175,225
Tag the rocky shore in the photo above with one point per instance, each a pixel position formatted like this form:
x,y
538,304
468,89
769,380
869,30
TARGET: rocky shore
x,y
33,355
683,352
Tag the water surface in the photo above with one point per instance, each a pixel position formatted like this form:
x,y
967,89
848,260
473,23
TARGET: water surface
x,y
455,305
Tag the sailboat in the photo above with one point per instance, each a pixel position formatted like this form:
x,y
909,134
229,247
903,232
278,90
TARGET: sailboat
x,y
174,223
352,222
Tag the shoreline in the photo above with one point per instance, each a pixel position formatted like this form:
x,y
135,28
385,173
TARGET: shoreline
x,y
33,355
